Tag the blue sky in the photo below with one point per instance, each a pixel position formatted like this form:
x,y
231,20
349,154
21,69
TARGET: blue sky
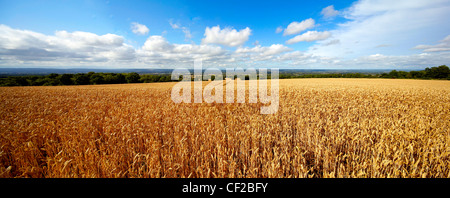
x,y
369,34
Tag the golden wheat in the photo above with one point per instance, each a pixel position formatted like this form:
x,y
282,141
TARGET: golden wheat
x,y
323,128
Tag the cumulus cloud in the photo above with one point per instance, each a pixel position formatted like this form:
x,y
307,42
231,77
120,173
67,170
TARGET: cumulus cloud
x,y
63,46
444,45
309,36
329,12
227,36
80,40
160,45
358,42
158,51
297,27
156,43
89,49
139,29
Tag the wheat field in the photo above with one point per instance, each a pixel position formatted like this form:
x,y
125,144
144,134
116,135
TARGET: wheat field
x,y
324,128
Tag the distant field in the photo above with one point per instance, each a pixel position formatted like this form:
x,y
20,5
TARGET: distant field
x,y
323,128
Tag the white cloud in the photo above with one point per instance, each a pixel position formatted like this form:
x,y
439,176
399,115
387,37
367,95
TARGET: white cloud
x,y
186,31
444,45
227,36
402,24
158,51
296,56
25,45
413,61
376,34
157,43
139,29
437,49
77,40
329,12
368,8
297,27
309,36
261,54
174,25
375,57
298,59
278,30
20,39
332,42
264,51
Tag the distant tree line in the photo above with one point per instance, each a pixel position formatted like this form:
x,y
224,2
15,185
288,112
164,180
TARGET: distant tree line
x,y
338,75
92,78
440,72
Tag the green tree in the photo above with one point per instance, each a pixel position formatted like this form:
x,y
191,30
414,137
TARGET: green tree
x,y
109,78
440,72
133,77
66,79
417,74
96,79
393,74
21,81
120,78
81,79
53,76
403,74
